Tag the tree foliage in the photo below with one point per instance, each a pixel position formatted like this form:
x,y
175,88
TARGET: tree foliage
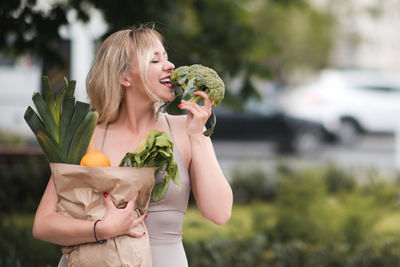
x,y
290,38
235,37
27,29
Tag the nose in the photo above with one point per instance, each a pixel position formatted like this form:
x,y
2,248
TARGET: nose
x,y
169,66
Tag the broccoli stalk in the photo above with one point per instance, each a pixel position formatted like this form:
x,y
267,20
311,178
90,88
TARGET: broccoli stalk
x,y
195,99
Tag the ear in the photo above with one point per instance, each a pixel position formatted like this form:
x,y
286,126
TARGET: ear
x,y
125,81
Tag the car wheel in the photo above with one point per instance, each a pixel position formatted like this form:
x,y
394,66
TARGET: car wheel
x,y
348,132
307,142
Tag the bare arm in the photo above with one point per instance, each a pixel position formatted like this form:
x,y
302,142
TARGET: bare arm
x,y
210,188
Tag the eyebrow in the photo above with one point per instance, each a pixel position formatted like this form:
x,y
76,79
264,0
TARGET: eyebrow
x,y
158,53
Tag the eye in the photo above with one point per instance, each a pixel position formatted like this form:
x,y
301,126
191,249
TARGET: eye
x,y
155,61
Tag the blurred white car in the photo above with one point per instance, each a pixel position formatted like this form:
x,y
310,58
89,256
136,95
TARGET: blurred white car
x,y
347,103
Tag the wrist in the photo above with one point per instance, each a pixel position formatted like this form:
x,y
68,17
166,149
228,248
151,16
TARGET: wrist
x,y
99,231
197,138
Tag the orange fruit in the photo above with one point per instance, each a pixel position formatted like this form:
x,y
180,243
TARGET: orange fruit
x,y
95,159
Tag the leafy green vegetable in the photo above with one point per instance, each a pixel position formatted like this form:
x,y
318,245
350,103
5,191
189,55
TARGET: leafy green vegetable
x,y
156,151
198,77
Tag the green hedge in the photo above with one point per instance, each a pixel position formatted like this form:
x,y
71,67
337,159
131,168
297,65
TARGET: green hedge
x,y
19,248
313,217
286,217
259,251
22,182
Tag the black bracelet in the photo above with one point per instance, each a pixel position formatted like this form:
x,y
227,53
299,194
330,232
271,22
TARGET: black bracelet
x,y
94,231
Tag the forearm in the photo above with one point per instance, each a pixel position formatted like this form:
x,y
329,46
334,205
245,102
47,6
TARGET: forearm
x,y
54,227
210,187
62,230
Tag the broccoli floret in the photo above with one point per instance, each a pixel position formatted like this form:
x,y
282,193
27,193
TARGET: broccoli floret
x,y
198,77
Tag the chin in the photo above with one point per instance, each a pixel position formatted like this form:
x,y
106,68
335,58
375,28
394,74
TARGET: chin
x,y
168,98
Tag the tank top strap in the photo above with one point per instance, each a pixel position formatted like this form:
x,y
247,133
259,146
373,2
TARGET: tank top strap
x,y
169,127
177,152
104,138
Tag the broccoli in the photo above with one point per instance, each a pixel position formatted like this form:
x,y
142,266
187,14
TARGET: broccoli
x,y
198,77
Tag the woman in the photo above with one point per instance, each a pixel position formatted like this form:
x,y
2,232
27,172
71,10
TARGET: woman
x,y
129,76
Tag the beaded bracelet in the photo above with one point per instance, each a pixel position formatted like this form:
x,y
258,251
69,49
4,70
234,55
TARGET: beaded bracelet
x,y
95,236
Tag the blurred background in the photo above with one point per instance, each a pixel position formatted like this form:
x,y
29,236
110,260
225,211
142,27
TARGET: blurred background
x,y
308,134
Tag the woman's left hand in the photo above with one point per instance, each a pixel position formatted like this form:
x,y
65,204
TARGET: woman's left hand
x,y
198,115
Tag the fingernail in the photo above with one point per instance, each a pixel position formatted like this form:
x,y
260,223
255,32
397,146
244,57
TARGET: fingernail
x,y
105,195
145,216
138,192
180,105
144,233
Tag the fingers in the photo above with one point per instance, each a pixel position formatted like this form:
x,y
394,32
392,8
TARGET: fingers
x,y
139,220
131,203
203,111
197,115
108,201
136,222
207,101
122,221
136,234
110,204
195,109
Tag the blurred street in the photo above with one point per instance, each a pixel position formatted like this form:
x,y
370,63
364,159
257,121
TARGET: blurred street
x,y
371,151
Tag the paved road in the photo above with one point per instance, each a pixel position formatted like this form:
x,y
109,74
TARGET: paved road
x,y
372,151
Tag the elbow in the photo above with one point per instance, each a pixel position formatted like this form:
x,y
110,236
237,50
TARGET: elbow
x,y
217,216
222,218
225,212
37,231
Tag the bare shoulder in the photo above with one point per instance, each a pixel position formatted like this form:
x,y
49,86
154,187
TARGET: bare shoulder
x,y
177,120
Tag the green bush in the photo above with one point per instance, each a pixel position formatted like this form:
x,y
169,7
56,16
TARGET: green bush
x,y
253,184
338,179
22,180
228,252
261,252
319,217
302,209
19,248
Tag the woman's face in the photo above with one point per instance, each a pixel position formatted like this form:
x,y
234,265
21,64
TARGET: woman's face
x,y
159,73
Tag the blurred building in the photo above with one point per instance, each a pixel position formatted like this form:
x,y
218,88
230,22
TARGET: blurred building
x,y
19,79
366,34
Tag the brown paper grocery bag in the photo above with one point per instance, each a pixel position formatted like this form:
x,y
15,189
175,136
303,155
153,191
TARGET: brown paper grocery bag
x,y
80,195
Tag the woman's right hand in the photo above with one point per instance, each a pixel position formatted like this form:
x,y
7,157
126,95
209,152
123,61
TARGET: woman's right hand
x,y
119,221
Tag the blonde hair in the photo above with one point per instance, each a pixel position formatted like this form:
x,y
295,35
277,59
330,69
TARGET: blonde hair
x,y
112,61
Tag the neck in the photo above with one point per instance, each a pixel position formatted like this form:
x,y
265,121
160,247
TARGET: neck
x,y
137,115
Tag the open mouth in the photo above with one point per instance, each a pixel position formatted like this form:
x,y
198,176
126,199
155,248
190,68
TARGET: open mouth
x,y
166,81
